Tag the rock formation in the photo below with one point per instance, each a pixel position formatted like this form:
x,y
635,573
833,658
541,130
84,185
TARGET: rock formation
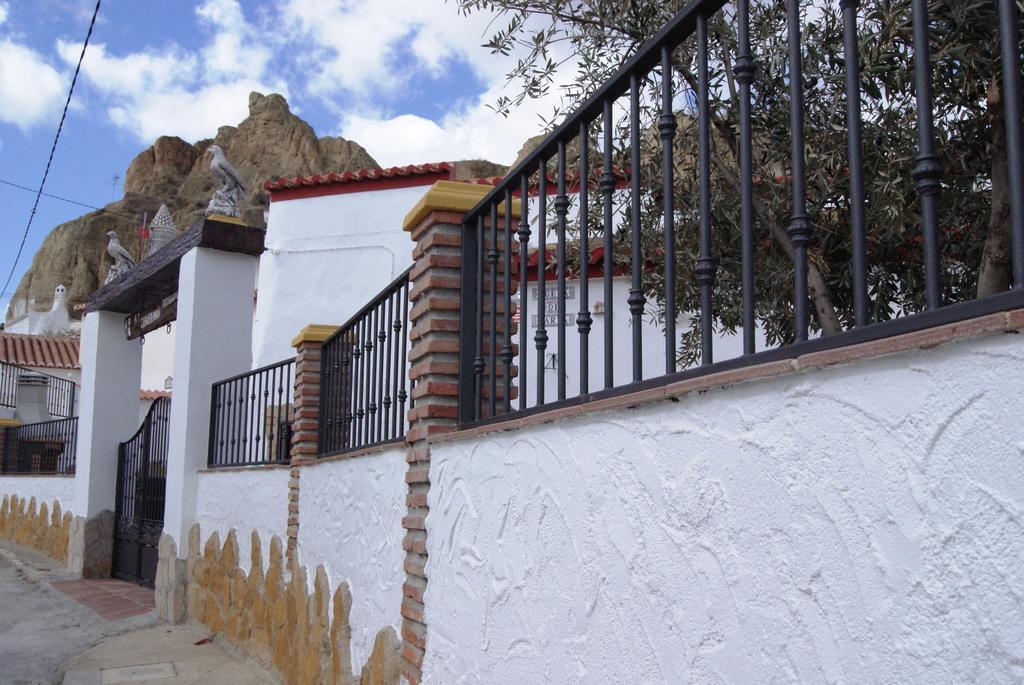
x,y
270,143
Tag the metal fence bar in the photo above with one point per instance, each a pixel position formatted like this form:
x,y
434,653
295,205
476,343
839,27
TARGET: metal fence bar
x,y
506,349
667,126
541,336
250,417
928,170
1009,38
478,360
720,128
799,227
744,70
636,298
61,393
584,320
363,375
608,207
8,385
523,234
705,262
561,209
856,155
47,447
492,355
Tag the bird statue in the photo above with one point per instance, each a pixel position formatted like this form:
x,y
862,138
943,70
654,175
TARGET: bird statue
x,y
123,262
226,200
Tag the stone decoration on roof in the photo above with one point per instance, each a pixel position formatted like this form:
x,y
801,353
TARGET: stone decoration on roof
x,y
232,191
161,230
123,262
57,321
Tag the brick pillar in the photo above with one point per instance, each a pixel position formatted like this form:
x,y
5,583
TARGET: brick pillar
x,y
305,420
435,226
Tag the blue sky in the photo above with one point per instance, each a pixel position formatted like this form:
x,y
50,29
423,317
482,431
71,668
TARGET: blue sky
x,y
407,79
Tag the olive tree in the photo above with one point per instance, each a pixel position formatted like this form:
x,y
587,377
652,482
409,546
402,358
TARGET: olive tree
x,y
974,216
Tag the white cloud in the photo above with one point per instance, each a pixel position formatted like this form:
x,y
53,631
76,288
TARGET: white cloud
x,y
237,51
31,91
357,45
3,13
473,131
173,92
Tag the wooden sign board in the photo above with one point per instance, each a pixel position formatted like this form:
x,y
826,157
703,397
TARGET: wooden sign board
x,y
151,318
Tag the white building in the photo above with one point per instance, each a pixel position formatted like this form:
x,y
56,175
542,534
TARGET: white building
x,y
333,242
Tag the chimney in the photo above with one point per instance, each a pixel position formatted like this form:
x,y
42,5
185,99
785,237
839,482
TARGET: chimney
x,y
31,398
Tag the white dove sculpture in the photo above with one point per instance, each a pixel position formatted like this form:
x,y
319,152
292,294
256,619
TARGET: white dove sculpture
x,y
123,262
225,201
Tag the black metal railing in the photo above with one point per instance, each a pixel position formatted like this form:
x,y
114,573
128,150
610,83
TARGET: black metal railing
x,y
364,375
61,393
605,136
140,495
8,385
251,417
46,448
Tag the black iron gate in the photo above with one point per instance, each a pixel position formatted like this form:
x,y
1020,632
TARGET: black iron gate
x,y
139,509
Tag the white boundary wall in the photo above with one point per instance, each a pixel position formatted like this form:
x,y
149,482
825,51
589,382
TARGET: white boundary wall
x,y
861,523
350,520
43,488
246,500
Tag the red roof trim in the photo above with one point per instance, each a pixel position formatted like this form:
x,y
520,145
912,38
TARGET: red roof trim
x,y
364,180
410,176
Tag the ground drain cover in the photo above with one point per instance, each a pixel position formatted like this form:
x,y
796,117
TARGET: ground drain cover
x,y
136,674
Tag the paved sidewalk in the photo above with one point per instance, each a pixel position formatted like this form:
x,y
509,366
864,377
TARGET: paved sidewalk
x,y
42,628
112,599
166,655
56,628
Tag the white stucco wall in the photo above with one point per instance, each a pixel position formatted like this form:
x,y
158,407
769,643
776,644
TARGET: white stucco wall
x,y
326,257
351,522
158,358
246,500
858,524
43,488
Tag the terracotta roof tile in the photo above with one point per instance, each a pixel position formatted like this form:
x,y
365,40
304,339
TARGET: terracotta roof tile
x,y
42,351
153,394
411,170
357,176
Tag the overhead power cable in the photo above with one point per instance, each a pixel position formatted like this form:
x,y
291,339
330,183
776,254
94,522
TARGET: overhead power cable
x,y
53,148
70,201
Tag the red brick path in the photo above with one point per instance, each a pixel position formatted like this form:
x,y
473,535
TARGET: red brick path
x,y
112,599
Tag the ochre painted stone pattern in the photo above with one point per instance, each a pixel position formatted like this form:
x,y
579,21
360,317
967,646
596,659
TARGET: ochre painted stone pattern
x,y
279,619
41,527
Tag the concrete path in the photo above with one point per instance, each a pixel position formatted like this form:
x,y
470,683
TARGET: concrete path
x,y
49,636
42,628
165,655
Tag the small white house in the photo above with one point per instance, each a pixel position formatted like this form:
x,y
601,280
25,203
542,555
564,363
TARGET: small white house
x,y
333,242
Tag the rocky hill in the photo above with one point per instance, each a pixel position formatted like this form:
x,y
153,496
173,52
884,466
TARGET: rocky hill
x,y
270,142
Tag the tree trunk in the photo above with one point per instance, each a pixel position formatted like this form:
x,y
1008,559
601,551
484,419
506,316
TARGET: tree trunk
x,y
995,273
816,287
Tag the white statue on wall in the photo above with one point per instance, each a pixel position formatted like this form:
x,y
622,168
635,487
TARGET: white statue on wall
x,y
123,262
56,321
226,200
